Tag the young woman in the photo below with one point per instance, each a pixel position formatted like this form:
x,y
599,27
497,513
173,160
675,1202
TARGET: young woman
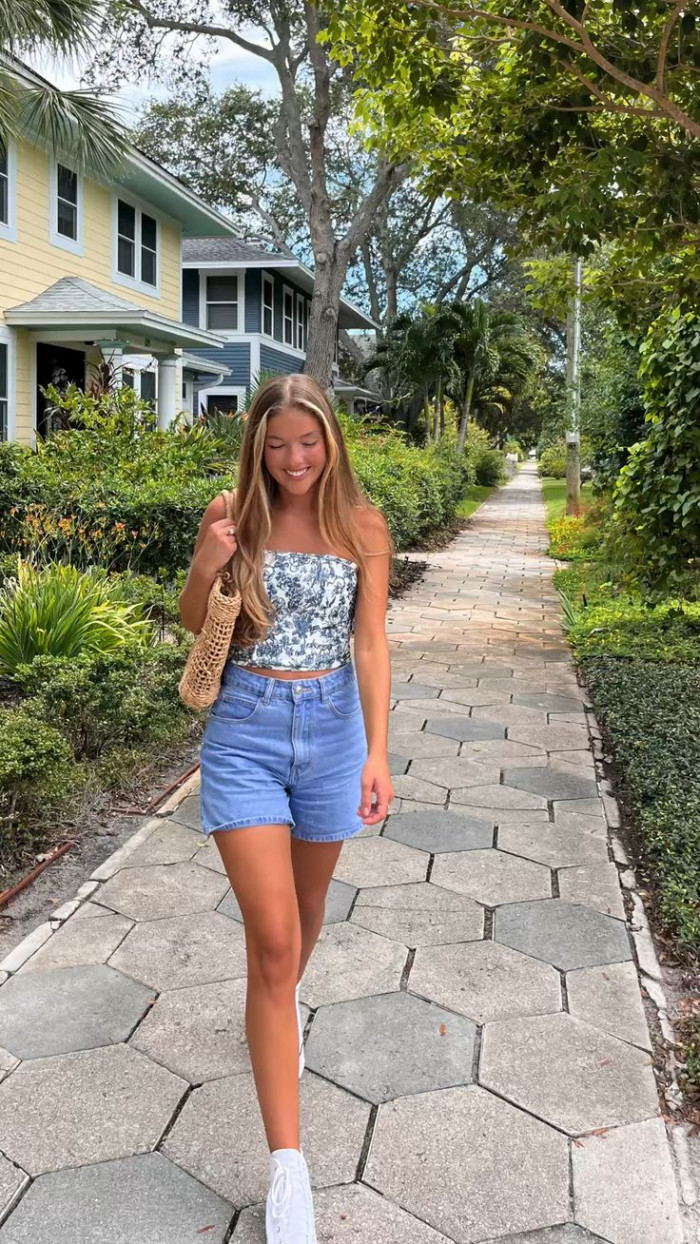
x,y
294,754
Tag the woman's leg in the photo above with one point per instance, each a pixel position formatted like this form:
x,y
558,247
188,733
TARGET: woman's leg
x,y
259,867
313,864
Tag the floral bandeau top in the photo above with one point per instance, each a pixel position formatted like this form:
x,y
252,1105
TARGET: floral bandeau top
x,y
313,596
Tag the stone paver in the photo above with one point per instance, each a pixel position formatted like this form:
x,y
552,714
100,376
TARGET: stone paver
x,y
89,1107
491,877
144,1198
348,1215
567,1073
440,831
485,981
445,959
569,935
469,1164
218,1136
391,1045
419,915
608,997
68,1009
624,1186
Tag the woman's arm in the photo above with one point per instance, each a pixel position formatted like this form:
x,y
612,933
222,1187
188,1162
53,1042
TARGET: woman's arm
x,y
373,666
213,548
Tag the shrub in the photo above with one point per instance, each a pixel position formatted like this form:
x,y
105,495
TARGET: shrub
x,y
36,772
61,612
553,461
657,496
489,468
111,699
651,713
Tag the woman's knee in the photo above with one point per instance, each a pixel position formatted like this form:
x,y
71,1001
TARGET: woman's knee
x,y
273,955
311,905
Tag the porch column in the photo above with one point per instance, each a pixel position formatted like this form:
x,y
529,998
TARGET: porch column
x,y
166,401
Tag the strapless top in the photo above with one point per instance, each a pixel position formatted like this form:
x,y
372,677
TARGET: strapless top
x,y
313,596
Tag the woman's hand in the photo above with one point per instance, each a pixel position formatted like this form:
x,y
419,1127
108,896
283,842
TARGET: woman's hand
x,y
217,547
376,780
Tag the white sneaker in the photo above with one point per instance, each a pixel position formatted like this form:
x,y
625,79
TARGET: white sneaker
x,y
289,1213
300,1029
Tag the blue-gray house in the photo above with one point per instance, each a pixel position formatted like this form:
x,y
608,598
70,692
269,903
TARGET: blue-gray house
x,y
259,302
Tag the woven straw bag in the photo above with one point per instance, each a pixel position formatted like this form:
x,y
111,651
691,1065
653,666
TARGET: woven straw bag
x,y
201,677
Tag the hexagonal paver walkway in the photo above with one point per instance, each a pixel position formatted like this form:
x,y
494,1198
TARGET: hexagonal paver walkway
x,y
479,1065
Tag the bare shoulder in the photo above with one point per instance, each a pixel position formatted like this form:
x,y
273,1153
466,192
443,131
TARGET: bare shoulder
x,y
373,529
217,507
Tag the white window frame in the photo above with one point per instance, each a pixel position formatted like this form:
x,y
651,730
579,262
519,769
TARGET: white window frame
x,y
122,278
287,289
267,282
231,334
299,323
8,228
7,338
74,245
201,397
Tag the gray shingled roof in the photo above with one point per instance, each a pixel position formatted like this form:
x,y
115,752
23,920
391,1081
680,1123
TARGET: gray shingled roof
x,y
72,293
225,250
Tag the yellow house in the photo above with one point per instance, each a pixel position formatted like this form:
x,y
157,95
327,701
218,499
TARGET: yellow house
x,y
89,273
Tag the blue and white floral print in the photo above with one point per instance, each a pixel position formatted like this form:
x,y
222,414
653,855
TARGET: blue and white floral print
x,y
313,596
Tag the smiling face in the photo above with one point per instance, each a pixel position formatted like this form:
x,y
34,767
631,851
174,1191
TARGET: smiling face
x,y
295,450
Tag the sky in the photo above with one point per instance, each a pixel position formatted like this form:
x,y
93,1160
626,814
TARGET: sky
x,y
229,64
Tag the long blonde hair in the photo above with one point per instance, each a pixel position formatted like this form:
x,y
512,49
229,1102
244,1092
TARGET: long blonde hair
x,y
338,493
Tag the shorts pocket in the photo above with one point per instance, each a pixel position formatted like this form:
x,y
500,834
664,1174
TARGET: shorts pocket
x,y
345,700
235,706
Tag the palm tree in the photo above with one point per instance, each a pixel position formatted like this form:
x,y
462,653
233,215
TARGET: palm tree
x,y
493,358
403,357
76,124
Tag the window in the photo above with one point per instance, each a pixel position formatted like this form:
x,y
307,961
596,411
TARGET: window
x,y
66,202
4,393
126,239
149,231
137,244
268,315
127,379
301,338
4,184
222,302
224,403
148,387
288,324
307,311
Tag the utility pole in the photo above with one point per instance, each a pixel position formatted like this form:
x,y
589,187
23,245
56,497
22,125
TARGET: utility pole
x,y
573,395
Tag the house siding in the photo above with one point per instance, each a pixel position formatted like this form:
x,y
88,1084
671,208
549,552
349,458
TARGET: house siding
x,y
236,356
31,263
279,361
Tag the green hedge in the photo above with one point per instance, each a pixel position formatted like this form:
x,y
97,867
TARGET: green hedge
x,y
149,525
651,713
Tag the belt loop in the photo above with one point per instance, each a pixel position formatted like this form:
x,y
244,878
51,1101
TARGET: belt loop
x,y
268,690
323,689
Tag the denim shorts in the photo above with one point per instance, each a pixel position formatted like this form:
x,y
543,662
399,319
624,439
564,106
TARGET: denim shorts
x,y
279,751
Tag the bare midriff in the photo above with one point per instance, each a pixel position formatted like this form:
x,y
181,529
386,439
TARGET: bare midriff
x,y
289,674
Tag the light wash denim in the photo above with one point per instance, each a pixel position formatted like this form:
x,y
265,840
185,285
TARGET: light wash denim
x,y
284,752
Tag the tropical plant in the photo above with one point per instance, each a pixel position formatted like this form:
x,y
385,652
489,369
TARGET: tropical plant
x,y
59,611
76,124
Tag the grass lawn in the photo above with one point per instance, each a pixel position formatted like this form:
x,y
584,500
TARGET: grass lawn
x,y
554,493
475,496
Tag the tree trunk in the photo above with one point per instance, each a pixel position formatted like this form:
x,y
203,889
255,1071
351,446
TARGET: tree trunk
x,y
391,292
466,409
436,412
323,322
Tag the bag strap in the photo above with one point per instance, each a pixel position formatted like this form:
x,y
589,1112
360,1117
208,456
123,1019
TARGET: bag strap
x,y
228,570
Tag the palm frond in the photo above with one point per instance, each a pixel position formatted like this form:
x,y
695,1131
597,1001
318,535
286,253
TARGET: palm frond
x,y
82,128
58,24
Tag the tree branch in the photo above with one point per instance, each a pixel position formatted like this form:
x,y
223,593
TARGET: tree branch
x,y
665,40
199,28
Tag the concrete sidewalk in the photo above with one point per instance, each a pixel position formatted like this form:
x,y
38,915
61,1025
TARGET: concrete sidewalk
x,y
478,1057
